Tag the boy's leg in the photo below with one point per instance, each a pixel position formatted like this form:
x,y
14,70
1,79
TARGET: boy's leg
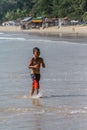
x,y
37,91
36,86
32,91
37,83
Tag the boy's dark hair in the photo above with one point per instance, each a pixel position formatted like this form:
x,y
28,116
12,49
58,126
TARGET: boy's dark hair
x,y
36,48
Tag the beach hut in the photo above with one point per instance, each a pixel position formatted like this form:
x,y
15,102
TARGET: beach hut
x,y
9,23
51,21
37,22
64,21
26,23
74,22
26,19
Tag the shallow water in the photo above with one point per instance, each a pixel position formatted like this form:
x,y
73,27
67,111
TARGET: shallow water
x,y
63,83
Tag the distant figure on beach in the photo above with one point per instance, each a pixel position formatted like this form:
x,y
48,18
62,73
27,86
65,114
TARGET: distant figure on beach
x,y
35,63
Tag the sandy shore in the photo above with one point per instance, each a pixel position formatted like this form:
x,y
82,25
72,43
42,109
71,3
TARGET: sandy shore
x,y
62,31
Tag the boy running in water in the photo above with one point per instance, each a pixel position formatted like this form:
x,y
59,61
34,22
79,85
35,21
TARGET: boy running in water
x,y
35,63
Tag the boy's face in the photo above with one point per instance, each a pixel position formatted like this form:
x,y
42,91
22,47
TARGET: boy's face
x,y
36,53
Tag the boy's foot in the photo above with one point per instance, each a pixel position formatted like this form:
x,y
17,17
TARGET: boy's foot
x,y
30,95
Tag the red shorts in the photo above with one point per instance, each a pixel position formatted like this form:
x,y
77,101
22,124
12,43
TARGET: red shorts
x,y
35,84
35,78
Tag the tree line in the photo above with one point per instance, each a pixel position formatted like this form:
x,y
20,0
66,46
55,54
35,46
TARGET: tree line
x,y
13,9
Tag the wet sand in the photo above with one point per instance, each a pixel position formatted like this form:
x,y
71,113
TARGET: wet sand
x,y
55,31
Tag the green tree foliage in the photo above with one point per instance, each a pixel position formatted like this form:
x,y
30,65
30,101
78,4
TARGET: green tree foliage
x,y
42,8
84,16
13,9
56,5
64,8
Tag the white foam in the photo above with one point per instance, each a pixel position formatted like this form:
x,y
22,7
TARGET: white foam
x,y
22,96
78,112
16,109
11,38
85,107
1,33
40,95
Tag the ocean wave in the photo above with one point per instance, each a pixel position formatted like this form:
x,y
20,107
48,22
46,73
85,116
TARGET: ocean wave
x,y
21,110
78,112
1,33
41,110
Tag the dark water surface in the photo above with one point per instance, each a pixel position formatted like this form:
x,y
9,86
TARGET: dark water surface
x,y
63,83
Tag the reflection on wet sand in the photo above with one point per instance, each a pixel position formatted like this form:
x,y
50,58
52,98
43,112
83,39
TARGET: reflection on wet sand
x,y
38,117
36,102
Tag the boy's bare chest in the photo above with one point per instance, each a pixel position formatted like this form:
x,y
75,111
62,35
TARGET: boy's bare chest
x,y
36,61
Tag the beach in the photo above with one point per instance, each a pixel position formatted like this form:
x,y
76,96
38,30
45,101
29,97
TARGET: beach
x,y
76,30
63,83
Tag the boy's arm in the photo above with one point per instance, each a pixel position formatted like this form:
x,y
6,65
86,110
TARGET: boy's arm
x,y
31,66
43,64
30,63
